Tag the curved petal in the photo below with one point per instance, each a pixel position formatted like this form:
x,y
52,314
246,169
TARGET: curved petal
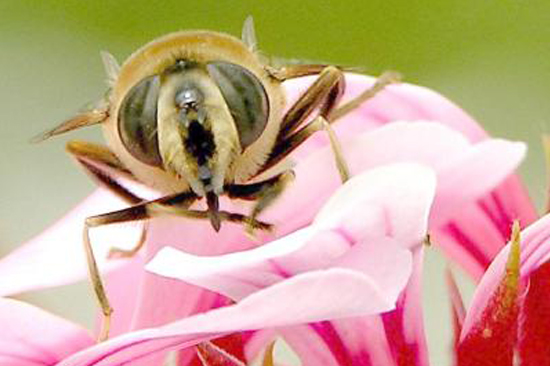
x,y
476,172
239,275
180,299
30,336
316,296
458,207
197,237
393,338
403,209
374,214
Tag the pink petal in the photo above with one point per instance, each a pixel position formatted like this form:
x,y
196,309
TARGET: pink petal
x,y
402,209
197,237
475,173
316,296
405,325
394,338
238,275
457,207
30,336
387,208
234,275
180,299
348,341
56,257
317,177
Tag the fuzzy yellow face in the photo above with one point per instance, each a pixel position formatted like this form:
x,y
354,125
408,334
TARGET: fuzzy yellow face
x,y
194,110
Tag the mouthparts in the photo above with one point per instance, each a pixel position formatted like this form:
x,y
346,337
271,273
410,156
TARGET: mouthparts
x,y
213,210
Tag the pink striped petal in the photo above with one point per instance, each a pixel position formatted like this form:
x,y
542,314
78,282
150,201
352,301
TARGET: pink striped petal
x,y
32,337
238,275
469,177
181,299
458,206
392,215
317,296
394,338
197,237
405,325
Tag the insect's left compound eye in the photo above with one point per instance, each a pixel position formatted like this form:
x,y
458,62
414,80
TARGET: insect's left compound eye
x,y
245,96
137,121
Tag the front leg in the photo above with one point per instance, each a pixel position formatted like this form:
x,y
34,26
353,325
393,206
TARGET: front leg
x,y
176,204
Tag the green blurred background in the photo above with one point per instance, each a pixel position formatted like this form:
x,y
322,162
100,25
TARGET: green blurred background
x,y
491,57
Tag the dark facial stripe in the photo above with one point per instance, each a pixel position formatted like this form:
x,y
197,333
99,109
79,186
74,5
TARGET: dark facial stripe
x,y
200,142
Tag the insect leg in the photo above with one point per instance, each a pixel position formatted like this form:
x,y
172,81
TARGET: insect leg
x,y
132,213
387,78
295,71
205,215
97,284
97,162
264,193
323,94
341,164
329,113
136,212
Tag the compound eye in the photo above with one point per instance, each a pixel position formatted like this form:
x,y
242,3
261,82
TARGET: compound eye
x,y
137,121
245,96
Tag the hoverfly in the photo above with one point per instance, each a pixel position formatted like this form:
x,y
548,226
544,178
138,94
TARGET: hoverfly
x,y
199,114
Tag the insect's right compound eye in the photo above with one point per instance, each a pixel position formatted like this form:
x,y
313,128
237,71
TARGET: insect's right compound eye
x,y
137,121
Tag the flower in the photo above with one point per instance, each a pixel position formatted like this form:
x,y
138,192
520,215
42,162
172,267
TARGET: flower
x,y
475,201
311,275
